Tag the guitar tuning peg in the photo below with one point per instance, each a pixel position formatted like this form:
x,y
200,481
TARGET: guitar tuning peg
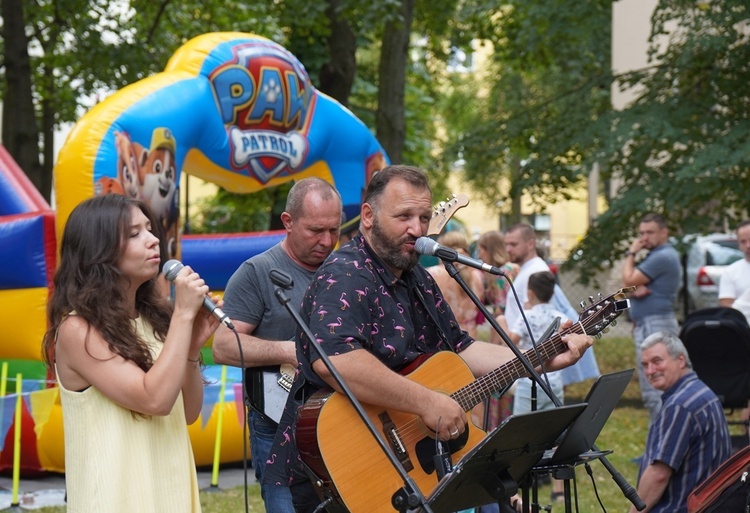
x,y
598,336
583,304
606,330
599,294
613,323
591,299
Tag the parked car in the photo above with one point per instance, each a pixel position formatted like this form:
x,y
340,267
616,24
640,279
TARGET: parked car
x,y
704,260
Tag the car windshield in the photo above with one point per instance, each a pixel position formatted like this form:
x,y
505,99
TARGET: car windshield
x,y
722,252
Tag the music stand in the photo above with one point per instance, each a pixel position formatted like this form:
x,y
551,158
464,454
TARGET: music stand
x,y
490,472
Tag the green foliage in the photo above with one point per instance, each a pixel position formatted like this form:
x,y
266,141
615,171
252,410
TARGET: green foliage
x,y
681,148
546,83
229,212
81,48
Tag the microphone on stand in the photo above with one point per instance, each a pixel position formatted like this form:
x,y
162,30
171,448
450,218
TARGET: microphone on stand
x,y
427,246
170,270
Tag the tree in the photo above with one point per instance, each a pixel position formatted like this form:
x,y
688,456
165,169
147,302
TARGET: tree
x,y
20,132
547,80
681,148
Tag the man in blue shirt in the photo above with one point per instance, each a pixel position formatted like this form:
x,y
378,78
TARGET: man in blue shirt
x,y
652,305
689,438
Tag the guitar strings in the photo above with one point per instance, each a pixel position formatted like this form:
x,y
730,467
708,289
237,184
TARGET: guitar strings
x,y
414,430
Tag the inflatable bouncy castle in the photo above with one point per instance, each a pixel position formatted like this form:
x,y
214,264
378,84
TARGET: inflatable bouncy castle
x,y
234,109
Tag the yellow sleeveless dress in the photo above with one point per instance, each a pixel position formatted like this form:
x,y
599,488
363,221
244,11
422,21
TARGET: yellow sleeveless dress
x,y
117,462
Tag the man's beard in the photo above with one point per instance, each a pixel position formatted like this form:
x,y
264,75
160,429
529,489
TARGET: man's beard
x,y
518,259
390,249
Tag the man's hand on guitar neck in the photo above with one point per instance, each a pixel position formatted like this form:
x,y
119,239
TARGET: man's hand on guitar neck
x,y
577,344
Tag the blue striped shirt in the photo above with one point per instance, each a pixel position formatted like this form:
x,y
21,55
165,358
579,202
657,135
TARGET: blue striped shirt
x,y
691,435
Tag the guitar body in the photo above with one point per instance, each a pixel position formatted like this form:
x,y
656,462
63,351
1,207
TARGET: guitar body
x,y
270,390
339,448
350,464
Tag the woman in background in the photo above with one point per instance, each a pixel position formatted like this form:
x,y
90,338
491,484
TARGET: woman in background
x,y
491,250
463,307
127,363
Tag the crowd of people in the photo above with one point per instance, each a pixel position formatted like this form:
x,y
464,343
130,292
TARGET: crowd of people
x,y
125,345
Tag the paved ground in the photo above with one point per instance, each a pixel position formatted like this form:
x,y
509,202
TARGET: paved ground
x,y
49,490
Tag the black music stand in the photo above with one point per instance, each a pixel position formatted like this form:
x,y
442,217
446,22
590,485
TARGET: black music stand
x,y
490,472
564,472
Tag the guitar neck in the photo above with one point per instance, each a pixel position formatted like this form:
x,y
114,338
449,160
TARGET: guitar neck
x,y
482,388
591,322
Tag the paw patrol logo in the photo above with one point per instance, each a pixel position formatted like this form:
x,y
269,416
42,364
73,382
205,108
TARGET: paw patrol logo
x,y
265,100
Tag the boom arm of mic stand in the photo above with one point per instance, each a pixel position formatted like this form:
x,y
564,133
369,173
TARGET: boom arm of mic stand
x,y
627,490
453,272
413,495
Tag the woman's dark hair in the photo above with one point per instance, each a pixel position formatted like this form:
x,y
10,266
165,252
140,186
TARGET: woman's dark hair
x,y
88,281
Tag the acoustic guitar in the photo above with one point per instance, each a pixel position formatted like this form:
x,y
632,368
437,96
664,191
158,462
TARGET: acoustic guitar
x,y
350,464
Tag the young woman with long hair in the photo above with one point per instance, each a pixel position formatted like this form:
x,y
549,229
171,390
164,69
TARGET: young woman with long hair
x,y
127,362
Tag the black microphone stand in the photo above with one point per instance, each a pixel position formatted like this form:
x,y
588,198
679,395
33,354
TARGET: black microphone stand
x,y
627,489
409,496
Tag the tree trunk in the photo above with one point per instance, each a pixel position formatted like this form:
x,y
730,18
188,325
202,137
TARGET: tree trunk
x,y
20,131
390,122
337,75
48,139
515,208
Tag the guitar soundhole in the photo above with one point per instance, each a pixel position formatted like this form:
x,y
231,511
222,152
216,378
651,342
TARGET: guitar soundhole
x,y
425,450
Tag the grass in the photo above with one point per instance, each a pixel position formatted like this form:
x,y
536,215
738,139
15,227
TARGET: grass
x,y
624,435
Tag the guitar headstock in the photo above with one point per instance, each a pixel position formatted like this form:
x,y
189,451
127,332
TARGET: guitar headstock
x,y
599,315
443,211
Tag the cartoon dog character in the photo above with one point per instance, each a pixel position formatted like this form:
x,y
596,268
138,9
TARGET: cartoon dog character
x,y
158,177
128,172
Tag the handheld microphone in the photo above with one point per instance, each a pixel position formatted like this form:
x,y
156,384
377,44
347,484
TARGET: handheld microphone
x,y
427,246
170,270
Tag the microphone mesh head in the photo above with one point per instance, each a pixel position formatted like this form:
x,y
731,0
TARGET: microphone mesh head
x,y
425,246
171,268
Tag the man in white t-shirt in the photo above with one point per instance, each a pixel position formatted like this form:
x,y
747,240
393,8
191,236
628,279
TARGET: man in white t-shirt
x,y
736,278
520,243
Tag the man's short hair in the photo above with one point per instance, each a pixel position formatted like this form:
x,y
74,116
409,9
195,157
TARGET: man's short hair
x,y
675,347
411,174
542,284
295,199
653,217
742,224
526,230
